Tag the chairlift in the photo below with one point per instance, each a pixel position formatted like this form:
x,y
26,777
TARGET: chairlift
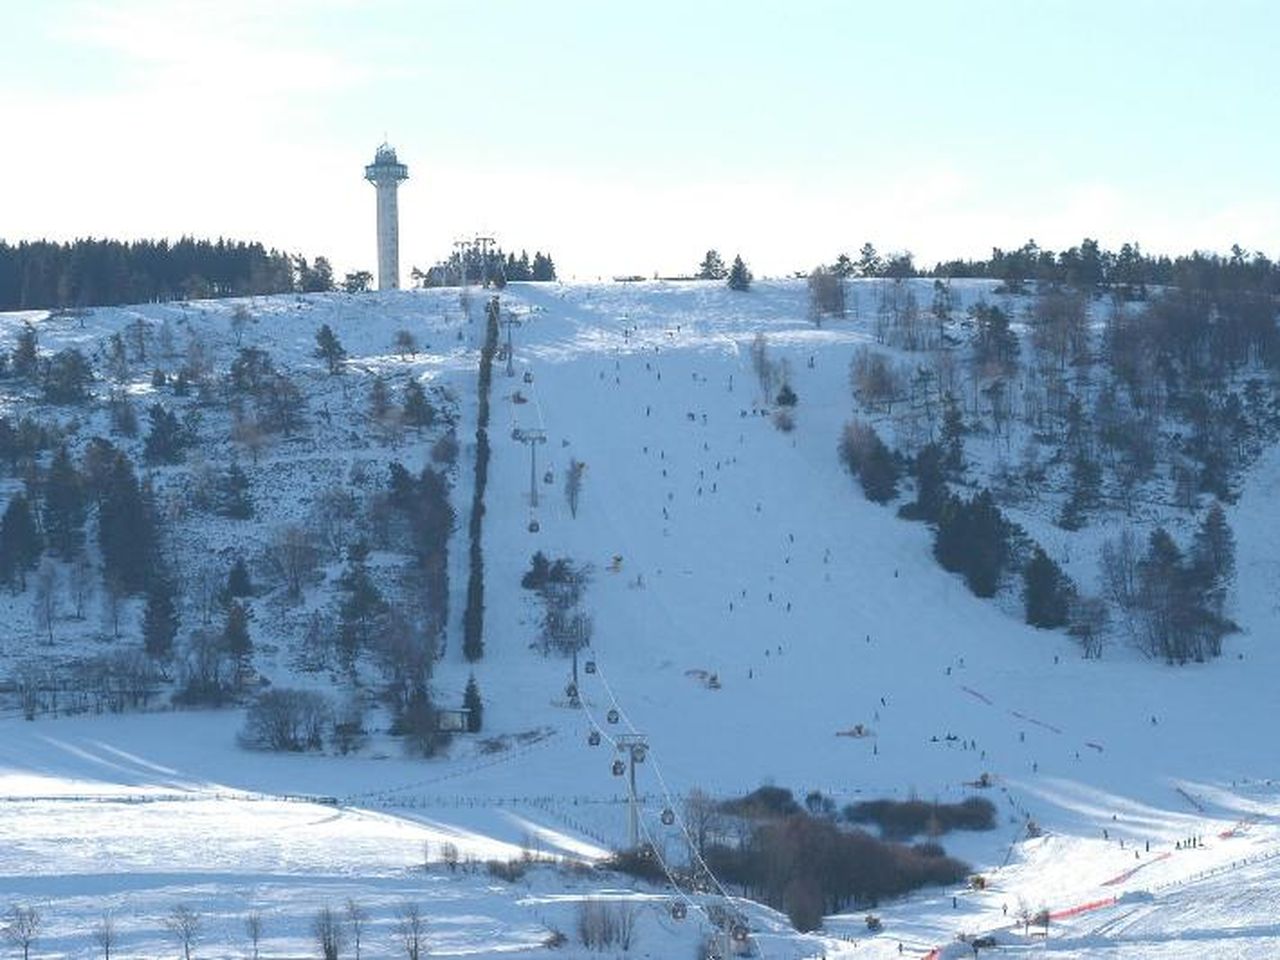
x,y
528,376
593,738
637,753
619,768
668,817
533,525
612,716
549,477
590,666
679,911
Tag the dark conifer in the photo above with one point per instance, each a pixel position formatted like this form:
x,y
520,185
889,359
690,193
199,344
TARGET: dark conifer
x,y
1046,592
20,544
473,704
64,506
329,349
160,619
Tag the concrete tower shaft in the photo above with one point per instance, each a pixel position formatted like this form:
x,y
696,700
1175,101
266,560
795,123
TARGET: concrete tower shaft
x,y
385,173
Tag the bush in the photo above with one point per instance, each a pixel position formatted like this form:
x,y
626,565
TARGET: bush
x,y
640,862
899,819
808,866
445,450
763,803
286,720
868,459
508,870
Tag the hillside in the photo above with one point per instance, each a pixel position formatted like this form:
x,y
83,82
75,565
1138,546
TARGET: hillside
x,y
718,545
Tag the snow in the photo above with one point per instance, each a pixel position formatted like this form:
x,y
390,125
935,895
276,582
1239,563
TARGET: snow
x,y
746,552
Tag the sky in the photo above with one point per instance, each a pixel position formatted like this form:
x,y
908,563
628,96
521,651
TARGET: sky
x,y
630,137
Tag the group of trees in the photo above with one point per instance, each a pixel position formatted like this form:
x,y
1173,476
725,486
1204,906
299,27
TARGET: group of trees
x,y
89,272
487,266
331,930
1175,600
738,276
561,585
808,865
1087,266
473,614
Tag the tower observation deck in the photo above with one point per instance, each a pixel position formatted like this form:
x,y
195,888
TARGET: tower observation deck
x,y
385,173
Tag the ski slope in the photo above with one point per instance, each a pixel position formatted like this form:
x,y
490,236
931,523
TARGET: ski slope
x,y
747,553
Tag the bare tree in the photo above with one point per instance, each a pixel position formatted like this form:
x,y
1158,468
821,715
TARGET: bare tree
x,y
334,513
327,930
80,584
184,925
764,368
206,588
113,598
293,553
1120,569
22,928
1088,620
45,603
247,433
357,917
104,935
702,819
410,929
253,930
406,343
628,914
573,484
602,925
240,320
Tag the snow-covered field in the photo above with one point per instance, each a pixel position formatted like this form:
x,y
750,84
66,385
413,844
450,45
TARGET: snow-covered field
x,y
747,553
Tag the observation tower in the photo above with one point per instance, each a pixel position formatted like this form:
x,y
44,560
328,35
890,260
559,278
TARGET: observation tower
x,y
385,173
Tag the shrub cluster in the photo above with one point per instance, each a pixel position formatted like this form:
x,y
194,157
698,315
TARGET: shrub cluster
x,y
901,819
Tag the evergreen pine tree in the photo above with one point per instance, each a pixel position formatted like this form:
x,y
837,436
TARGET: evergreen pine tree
x,y
473,616
931,486
236,501
329,349
712,267
125,529
1046,592
26,355
64,506
20,544
472,702
739,276
235,633
167,439
417,411
1213,552
361,606
379,400
238,582
879,472
990,546
952,436
159,620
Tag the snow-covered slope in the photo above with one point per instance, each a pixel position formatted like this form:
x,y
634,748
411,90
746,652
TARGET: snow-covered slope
x,y
720,545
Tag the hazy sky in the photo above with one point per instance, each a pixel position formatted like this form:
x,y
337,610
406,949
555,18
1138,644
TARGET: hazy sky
x,y
627,137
